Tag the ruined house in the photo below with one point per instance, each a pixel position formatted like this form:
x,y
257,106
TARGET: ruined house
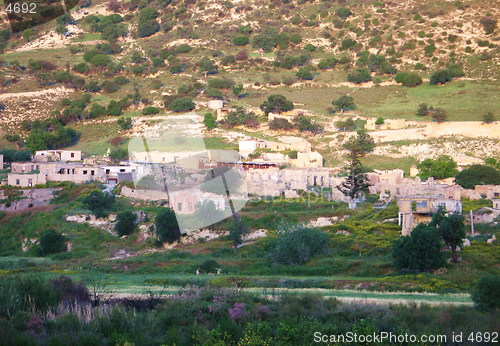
x,y
57,155
414,209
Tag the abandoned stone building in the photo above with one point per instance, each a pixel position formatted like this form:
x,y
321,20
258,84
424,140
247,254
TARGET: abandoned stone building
x,y
414,209
57,155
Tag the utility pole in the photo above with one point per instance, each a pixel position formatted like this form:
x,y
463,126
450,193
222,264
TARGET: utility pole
x,y
472,222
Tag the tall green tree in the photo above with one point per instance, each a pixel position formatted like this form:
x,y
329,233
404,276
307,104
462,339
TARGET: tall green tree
x,y
420,251
125,223
357,147
167,228
451,228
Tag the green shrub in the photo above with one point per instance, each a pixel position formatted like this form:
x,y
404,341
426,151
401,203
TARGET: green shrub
x,y
52,242
167,229
98,202
125,223
240,40
210,121
298,244
409,79
486,294
184,104
150,110
359,75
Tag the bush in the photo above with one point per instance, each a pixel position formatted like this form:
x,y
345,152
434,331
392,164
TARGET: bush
x,y
98,202
240,40
118,154
305,124
486,294
446,75
210,121
167,229
124,123
488,118
489,25
125,223
297,244
184,104
304,74
150,110
408,79
346,125
423,109
52,242
360,75
343,12
441,76
439,115
348,43
280,124
220,83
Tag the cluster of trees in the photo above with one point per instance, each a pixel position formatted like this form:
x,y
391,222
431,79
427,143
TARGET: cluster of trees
x,y
445,167
111,27
478,175
375,63
11,155
438,114
50,134
301,123
421,250
240,117
269,39
441,168
447,74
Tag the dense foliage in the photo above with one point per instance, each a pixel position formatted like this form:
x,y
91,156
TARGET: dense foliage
x,y
297,244
167,228
420,251
440,168
478,175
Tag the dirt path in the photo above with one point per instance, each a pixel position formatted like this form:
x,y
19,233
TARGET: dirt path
x,y
59,91
473,129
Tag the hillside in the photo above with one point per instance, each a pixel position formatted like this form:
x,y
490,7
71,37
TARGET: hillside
x,y
309,51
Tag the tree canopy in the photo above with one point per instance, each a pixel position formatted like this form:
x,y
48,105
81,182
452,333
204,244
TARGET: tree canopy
x,y
276,103
344,102
167,228
420,251
441,168
478,175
